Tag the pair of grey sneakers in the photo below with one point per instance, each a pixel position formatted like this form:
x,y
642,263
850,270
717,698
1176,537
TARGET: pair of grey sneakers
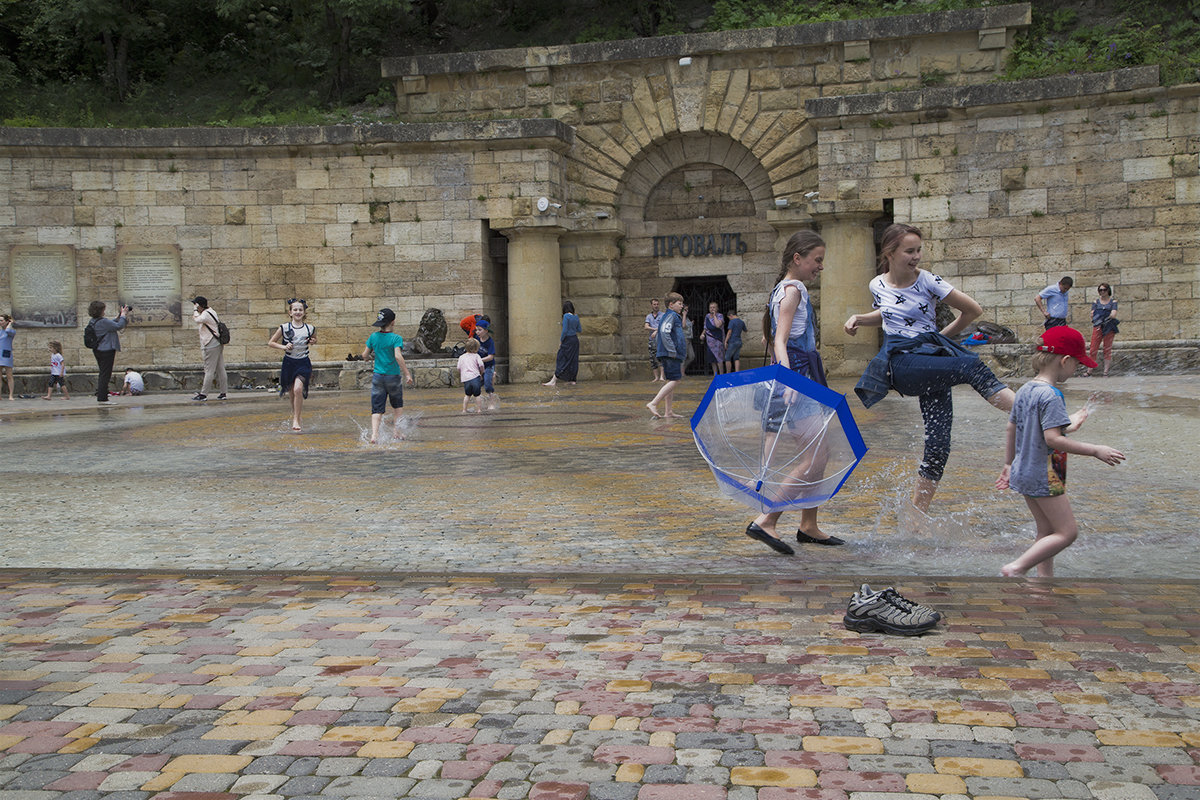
x,y
888,611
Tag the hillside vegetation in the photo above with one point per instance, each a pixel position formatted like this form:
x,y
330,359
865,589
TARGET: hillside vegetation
x,y
153,63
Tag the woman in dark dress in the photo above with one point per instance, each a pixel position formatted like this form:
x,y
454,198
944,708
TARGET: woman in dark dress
x,y
566,366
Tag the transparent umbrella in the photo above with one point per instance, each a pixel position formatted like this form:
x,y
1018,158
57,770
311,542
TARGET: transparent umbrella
x,y
775,439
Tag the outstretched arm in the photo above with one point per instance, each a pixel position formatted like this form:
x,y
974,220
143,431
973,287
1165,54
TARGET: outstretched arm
x,y
872,319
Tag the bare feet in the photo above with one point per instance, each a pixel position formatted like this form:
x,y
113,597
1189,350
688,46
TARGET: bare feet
x,y
653,410
1011,571
673,415
551,382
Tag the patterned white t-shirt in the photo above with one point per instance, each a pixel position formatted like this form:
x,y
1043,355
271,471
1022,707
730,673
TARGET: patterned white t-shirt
x,y
912,310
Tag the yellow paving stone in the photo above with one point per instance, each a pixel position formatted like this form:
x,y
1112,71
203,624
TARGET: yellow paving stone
x,y
247,733
978,767
772,776
1078,590
64,686
217,669
1080,698
602,722
990,719
1125,676
958,652
566,708
824,701
373,680
836,650
7,711
1139,738
79,745
394,749
690,656
1015,673
362,733
191,617
443,692
627,686
86,730
524,647
627,724
984,685
556,736
360,627
731,678
465,721
419,705
889,669
630,773
540,623
84,608
517,684
162,782
857,745
117,700
1191,737
234,703
262,716
115,658
663,739
207,763
612,647
8,741
854,679
928,783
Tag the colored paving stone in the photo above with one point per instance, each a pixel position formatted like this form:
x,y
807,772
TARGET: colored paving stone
x,y
604,660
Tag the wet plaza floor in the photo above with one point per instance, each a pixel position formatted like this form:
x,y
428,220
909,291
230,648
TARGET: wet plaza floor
x,y
551,602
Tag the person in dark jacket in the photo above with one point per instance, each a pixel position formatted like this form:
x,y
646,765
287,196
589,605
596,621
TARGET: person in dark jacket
x,y
108,343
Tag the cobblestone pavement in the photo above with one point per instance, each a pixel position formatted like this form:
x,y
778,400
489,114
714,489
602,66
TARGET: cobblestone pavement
x,y
547,603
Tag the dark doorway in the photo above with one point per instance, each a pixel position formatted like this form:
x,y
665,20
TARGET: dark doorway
x,y
697,294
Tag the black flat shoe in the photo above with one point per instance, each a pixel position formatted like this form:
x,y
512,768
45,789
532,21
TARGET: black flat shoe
x,y
779,546
804,538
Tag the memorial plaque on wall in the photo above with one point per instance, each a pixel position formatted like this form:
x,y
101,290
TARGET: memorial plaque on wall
x,y
42,279
148,279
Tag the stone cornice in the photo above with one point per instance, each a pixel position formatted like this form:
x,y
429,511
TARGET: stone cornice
x,y
901,27
499,134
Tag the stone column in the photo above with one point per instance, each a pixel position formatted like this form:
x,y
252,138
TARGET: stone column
x,y
534,302
849,267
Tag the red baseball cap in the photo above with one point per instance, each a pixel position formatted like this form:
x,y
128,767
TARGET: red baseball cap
x,y
1064,340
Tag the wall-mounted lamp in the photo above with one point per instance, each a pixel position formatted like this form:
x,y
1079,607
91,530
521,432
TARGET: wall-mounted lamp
x,y
544,205
781,202
686,61
811,195
601,215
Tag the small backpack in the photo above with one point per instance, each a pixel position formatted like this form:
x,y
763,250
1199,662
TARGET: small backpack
x,y
221,333
90,340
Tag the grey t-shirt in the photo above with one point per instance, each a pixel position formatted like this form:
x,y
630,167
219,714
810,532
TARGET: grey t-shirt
x,y
1038,471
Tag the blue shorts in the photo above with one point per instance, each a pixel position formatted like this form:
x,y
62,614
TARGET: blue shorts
x,y
56,380
385,388
489,379
672,368
734,351
473,387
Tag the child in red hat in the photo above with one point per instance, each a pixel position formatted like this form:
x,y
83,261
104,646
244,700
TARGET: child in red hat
x,y
1036,449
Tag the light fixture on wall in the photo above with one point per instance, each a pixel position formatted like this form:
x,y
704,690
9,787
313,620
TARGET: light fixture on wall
x,y
811,196
544,205
686,61
781,202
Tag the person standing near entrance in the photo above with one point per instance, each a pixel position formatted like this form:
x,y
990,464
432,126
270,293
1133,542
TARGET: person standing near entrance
x,y
734,329
566,363
108,342
672,347
211,349
1053,302
652,320
714,338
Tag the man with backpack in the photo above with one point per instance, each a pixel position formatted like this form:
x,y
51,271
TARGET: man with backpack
x,y
213,338
100,336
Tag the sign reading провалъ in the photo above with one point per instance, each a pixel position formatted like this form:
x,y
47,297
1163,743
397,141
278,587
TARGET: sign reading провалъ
x,y
699,244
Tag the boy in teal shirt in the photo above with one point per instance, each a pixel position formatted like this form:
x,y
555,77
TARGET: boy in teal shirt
x,y
384,347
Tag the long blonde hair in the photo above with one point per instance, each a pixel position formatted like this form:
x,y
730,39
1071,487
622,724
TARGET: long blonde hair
x,y
890,243
800,244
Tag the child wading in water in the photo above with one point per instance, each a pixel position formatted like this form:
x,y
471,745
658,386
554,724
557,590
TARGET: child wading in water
x,y
470,372
1036,449
58,372
294,338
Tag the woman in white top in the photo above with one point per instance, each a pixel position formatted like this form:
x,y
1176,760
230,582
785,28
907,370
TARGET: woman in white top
x,y
790,327
917,358
294,338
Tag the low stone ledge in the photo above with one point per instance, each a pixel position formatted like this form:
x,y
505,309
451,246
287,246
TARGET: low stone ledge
x,y
1177,356
515,132
985,94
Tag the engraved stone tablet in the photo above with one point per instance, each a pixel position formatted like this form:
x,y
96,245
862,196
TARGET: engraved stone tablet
x,y
42,278
148,279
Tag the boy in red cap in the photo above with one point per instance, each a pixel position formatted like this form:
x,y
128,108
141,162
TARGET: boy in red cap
x,y
1036,449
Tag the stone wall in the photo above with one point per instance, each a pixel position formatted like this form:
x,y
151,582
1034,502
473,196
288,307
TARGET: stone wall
x,y
1017,185
350,218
